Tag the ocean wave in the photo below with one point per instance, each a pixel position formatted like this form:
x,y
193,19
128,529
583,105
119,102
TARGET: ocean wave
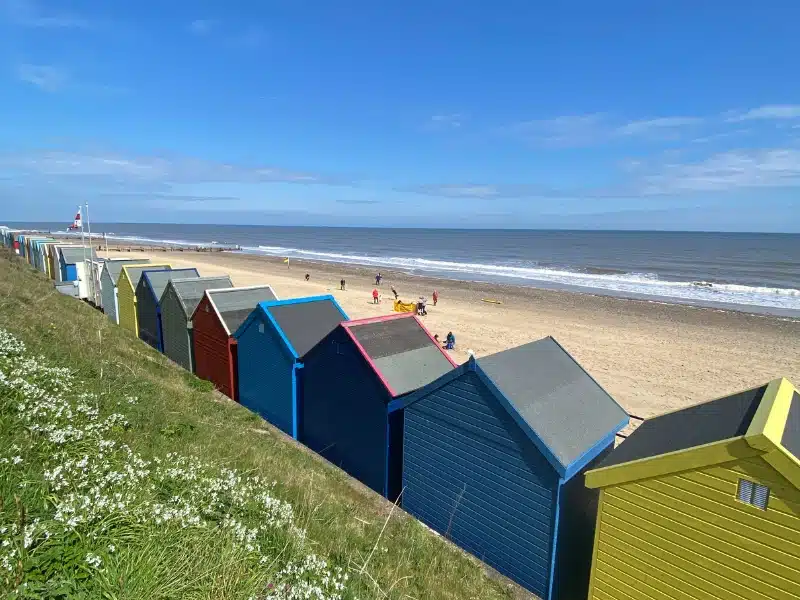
x,y
618,282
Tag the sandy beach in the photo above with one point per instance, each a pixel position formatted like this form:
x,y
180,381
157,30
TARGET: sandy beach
x,y
650,356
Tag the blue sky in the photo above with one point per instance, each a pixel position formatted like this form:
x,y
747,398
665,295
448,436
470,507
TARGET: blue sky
x,y
662,115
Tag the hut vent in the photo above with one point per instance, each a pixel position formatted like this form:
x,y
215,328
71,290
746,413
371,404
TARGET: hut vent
x,y
753,494
261,328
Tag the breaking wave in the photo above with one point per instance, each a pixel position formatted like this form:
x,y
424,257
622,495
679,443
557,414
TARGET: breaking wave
x,y
592,278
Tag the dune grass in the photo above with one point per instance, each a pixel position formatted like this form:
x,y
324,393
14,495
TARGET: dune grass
x,y
124,477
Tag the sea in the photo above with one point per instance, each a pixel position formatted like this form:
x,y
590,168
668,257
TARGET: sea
x,y
754,272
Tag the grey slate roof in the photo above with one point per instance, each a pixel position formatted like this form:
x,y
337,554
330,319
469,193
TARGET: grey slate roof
x,y
791,434
159,279
402,352
135,273
78,254
239,298
557,398
234,318
191,290
234,302
705,423
114,266
305,323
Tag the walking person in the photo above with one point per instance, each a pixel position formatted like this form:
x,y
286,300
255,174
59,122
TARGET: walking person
x,y
342,284
435,297
378,278
396,295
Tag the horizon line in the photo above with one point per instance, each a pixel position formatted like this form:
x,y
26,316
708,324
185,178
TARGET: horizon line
x,y
31,224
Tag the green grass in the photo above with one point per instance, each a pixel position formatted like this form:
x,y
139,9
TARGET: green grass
x,y
170,415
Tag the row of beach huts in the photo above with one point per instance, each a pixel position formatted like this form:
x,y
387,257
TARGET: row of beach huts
x,y
510,456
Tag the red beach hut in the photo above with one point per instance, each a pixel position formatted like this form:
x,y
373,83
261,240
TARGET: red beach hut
x,y
215,320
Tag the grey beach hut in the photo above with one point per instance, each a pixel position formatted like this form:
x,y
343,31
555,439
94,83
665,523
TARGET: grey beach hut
x,y
178,303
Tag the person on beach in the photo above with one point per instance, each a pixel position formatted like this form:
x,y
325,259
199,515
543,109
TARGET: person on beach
x,y
341,284
308,277
450,341
396,295
435,297
378,278
436,339
375,296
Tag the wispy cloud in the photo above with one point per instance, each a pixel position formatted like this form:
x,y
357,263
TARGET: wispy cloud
x,y
722,172
52,79
174,198
356,201
28,13
566,130
592,129
153,169
446,121
45,77
597,128
769,111
482,191
201,26
657,126
726,171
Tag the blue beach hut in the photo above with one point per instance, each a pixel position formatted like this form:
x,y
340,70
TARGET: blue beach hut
x,y
493,457
271,344
350,378
71,261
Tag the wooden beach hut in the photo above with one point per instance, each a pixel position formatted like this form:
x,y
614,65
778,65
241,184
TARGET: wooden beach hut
x,y
704,503
217,317
73,265
493,457
49,251
127,284
30,248
39,252
56,260
112,269
148,302
271,344
349,379
178,302
94,268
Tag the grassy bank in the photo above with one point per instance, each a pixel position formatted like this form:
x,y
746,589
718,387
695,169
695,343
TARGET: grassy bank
x,y
123,477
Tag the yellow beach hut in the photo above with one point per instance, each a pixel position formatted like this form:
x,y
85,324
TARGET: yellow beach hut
x,y
126,293
704,503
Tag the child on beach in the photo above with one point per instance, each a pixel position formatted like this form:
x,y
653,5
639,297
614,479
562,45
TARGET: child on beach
x,y
308,276
396,295
450,341
375,296
341,284
378,278
435,297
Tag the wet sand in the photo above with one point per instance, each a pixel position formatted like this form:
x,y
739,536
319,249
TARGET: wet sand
x,y
650,356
